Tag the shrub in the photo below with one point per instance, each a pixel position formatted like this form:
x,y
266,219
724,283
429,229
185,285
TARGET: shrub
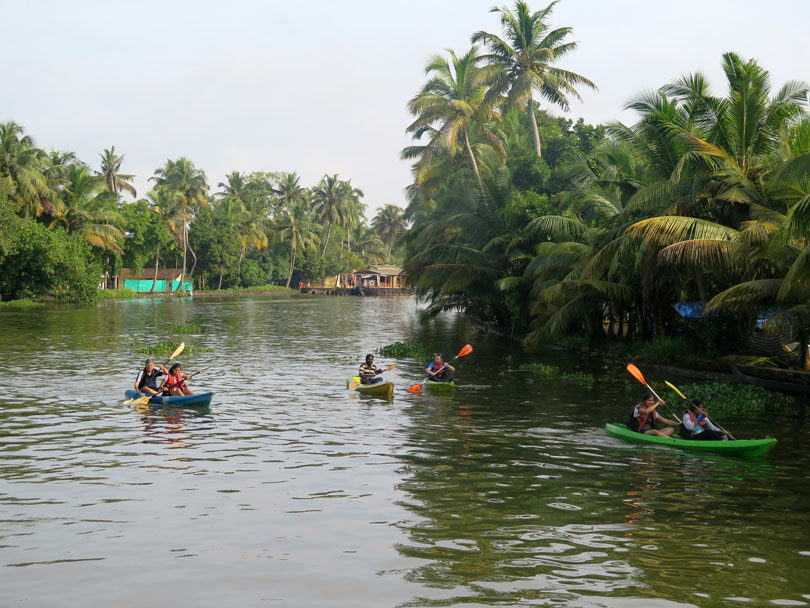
x,y
399,350
20,304
722,397
117,294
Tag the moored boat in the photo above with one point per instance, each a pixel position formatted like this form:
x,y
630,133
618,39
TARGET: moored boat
x,y
199,400
750,448
383,390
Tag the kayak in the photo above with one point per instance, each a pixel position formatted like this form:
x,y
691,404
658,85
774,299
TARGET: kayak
x,y
383,390
750,448
199,400
440,386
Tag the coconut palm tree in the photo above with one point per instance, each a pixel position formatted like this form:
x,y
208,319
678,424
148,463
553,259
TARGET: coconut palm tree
x,y
329,204
389,224
524,58
186,187
111,171
88,210
451,106
24,166
297,230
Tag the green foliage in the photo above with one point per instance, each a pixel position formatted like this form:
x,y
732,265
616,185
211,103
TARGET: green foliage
x,y
725,398
192,326
167,348
22,304
400,350
663,350
540,368
581,378
117,294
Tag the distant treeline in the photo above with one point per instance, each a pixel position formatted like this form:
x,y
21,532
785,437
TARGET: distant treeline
x,y
65,226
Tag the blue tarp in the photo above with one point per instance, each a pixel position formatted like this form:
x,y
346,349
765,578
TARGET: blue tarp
x,y
145,286
689,310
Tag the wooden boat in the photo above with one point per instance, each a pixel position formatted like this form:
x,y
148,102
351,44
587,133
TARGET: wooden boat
x,y
773,385
383,390
750,448
199,400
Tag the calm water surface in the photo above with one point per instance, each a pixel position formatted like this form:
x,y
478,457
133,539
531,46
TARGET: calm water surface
x,y
290,491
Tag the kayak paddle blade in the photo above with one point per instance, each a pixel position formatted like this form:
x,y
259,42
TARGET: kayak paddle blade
x,y
675,388
416,388
636,373
178,350
466,350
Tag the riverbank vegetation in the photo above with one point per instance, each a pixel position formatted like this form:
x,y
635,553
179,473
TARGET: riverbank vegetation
x,y
66,228
550,228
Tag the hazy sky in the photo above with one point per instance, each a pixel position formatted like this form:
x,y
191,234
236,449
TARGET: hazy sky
x,y
321,86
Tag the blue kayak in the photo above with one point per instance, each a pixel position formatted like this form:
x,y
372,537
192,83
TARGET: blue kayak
x,y
200,400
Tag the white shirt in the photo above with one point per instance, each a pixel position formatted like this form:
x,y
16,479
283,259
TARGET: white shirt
x,y
690,426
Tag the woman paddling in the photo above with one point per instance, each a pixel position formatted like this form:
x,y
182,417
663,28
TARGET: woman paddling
x,y
696,424
644,418
175,382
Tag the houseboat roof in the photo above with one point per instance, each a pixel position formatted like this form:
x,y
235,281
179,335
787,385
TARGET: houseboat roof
x,y
386,270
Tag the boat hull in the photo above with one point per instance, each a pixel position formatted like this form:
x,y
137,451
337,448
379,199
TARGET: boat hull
x,y
748,448
383,390
199,400
440,386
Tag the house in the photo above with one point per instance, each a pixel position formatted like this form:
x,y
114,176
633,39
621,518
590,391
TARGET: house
x,y
168,279
380,276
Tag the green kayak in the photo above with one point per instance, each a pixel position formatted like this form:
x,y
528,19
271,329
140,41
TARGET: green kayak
x,y
750,448
440,386
383,390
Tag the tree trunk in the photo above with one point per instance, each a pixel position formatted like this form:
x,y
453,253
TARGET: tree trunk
x,y
326,241
193,262
701,285
219,286
471,156
292,266
388,257
157,257
621,323
803,348
185,247
533,123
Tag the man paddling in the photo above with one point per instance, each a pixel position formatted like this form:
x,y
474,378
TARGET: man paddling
x,y
369,373
146,382
439,371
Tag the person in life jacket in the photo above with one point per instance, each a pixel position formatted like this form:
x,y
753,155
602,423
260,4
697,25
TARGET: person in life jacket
x,y
696,424
439,371
644,418
146,382
175,382
369,373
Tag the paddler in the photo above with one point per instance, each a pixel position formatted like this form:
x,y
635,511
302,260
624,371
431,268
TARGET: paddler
x,y
146,382
369,373
439,371
696,424
175,382
644,418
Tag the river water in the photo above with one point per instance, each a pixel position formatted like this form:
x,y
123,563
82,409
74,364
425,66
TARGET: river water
x,y
291,491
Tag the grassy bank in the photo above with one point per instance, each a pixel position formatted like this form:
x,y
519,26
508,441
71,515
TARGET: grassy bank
x,y
22,304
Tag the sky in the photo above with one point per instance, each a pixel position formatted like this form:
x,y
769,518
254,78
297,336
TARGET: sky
x,y
322,87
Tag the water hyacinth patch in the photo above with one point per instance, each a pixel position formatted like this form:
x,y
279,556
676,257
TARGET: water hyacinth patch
x,y
723,397
399,350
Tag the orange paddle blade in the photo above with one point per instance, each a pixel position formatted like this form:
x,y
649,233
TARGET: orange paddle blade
x,y
466,350
636,373
415,388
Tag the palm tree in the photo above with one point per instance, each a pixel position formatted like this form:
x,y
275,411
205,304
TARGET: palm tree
x,y
111,171
187,187
329,198
524,59
88,210
354,211
450,106
24,167
389,224
289,192
297,230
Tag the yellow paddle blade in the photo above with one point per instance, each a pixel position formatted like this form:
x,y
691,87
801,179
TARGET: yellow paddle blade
x,y
675,388
179,350
390,367
354,385
139,401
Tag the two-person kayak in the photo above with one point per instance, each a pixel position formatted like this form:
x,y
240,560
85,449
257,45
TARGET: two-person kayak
x,y
749,448
199,400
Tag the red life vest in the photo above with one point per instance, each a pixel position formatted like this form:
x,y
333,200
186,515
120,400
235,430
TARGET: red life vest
x,y
172,382
696,421
642,419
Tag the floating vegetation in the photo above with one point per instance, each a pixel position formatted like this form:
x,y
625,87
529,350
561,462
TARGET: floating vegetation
x,y
578,378
540,368
21,304
192,326
723,397
416,350
166,349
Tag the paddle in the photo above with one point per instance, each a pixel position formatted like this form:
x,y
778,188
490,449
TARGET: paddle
x,y
355,383
145,399
465,350
205,369
675,388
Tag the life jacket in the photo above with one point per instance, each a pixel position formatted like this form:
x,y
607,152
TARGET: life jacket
x,y
172,382
697,421
638,423
442,373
